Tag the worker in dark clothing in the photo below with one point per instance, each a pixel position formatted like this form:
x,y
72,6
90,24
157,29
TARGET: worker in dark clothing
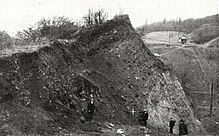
x,y
183,130
90,110
171,125
143,117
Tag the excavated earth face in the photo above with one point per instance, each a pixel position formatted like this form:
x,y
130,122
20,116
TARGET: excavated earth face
x,y
47,91
196,68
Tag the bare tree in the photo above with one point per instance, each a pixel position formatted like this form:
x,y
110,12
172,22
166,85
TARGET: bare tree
x,y
88,20
142,31
95,17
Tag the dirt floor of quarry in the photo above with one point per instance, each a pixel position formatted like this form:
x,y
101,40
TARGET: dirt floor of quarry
x,y
47,91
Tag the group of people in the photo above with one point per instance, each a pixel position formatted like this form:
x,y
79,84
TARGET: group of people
x,y
142,120
183,130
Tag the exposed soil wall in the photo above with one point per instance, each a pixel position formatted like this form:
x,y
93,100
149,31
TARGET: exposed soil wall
x,y
47,91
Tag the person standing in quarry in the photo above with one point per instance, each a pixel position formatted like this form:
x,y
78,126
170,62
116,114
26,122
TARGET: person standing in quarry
x,y
171,125
183,130
90,109
143,118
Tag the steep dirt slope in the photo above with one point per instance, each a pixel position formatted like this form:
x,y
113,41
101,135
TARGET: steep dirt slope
x,y
197,68
47,91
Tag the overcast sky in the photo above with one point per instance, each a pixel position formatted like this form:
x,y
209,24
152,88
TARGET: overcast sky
x,y
16,15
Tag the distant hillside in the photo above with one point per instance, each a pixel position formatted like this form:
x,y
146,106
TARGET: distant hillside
x,y
205,33
200,28
186,26
212,44
212,51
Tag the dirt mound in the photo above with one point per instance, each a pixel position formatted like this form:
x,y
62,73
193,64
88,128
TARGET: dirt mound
x,y
47,91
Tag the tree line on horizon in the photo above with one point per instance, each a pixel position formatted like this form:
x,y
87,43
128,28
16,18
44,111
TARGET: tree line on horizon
x,y
201,29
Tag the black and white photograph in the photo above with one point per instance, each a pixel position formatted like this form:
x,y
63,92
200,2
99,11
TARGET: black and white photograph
x,y
109,68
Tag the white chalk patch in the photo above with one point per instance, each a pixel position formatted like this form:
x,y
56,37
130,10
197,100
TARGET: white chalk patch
x,y
120,131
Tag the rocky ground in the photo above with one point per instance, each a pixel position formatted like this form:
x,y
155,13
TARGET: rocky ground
x,y
46,91
196,66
